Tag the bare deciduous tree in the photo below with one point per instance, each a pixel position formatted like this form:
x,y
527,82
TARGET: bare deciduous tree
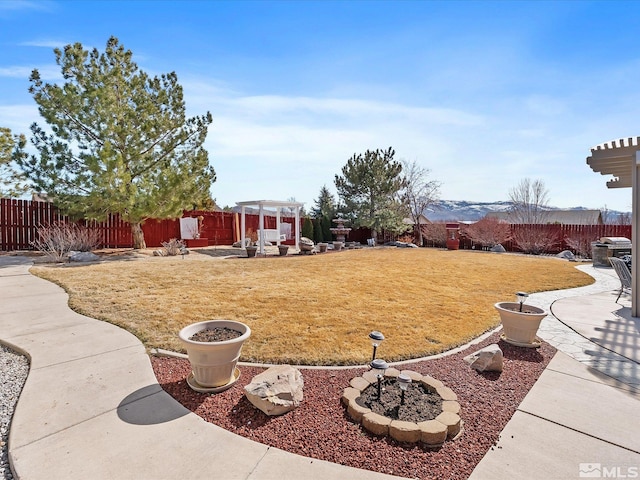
x,y
529,200
419,192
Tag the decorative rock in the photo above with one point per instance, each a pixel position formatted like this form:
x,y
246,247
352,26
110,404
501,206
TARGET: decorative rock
x,y
351,393
433,432
277,390
357,411
568,254
488,359
451,406
451,421
404,431
446,393
359,383
498,249
375,423
83,257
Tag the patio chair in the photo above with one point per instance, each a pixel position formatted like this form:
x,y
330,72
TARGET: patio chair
x,y
623,274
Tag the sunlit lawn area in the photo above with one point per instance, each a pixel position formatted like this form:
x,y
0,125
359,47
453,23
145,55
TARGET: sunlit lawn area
x,y
315,309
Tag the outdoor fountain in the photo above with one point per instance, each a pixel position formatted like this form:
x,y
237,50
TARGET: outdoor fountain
x,y
340,231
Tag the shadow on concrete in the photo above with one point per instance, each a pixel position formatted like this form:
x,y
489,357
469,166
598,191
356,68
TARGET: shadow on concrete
x,y
150,405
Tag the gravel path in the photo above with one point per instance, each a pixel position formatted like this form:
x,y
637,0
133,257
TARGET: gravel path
x,y
320,428
13,373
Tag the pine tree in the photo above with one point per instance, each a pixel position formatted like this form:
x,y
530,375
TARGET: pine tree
x,y
12,182
121,142
369,187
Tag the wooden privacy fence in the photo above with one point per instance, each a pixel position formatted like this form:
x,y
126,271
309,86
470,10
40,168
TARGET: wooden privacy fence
x,y
20,220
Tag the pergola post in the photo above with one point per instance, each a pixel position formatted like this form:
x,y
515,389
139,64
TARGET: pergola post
x,y
261,228
242,228
278,225
635,241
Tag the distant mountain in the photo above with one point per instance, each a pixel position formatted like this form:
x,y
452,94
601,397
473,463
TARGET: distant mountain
x,y
462,210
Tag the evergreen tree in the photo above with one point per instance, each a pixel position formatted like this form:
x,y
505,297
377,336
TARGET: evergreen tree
x,y
326,229
12,182
307,228
369,187
121,142
317,230
325,204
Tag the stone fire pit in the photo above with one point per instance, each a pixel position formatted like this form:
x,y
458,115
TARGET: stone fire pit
x,y
445,425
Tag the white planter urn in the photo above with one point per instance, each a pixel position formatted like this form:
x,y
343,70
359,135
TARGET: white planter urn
x,y
520,327
214,363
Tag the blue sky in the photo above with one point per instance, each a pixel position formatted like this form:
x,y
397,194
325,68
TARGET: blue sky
x,y
481,93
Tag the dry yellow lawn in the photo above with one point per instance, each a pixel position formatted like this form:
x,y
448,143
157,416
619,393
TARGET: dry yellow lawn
x,y
315,309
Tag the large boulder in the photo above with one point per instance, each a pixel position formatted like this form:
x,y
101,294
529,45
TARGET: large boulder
x,y
568,254
83,257
488,359
498,249
277,390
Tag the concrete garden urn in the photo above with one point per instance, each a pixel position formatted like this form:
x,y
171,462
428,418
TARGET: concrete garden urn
x,y
337,246
322,246
214,363
283,250
520,323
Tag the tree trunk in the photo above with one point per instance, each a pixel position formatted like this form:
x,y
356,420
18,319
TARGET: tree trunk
x,y
138,236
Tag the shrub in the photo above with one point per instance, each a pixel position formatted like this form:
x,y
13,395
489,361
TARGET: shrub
x,y
580,243
307,228
488,232
326,229
317,230
173,247
535,239
435,233
57,239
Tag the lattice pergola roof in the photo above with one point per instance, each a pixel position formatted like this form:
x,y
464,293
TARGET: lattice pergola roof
x,y
616,158
621,158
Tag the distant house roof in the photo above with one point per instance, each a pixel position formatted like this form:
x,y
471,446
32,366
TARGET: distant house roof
x,y
564,217
422,220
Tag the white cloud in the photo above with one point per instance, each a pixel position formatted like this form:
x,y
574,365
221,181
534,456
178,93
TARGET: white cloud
x,y
21,5
51,44
18,117
47,72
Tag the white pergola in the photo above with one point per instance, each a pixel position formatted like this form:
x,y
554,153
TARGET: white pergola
x,y
261,205
623,162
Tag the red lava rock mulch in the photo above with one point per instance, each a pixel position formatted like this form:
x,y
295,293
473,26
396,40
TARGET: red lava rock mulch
x,y
320,428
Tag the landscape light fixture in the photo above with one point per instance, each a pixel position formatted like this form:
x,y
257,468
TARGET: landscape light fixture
x,y
522,297
376,339
380,366
403,380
